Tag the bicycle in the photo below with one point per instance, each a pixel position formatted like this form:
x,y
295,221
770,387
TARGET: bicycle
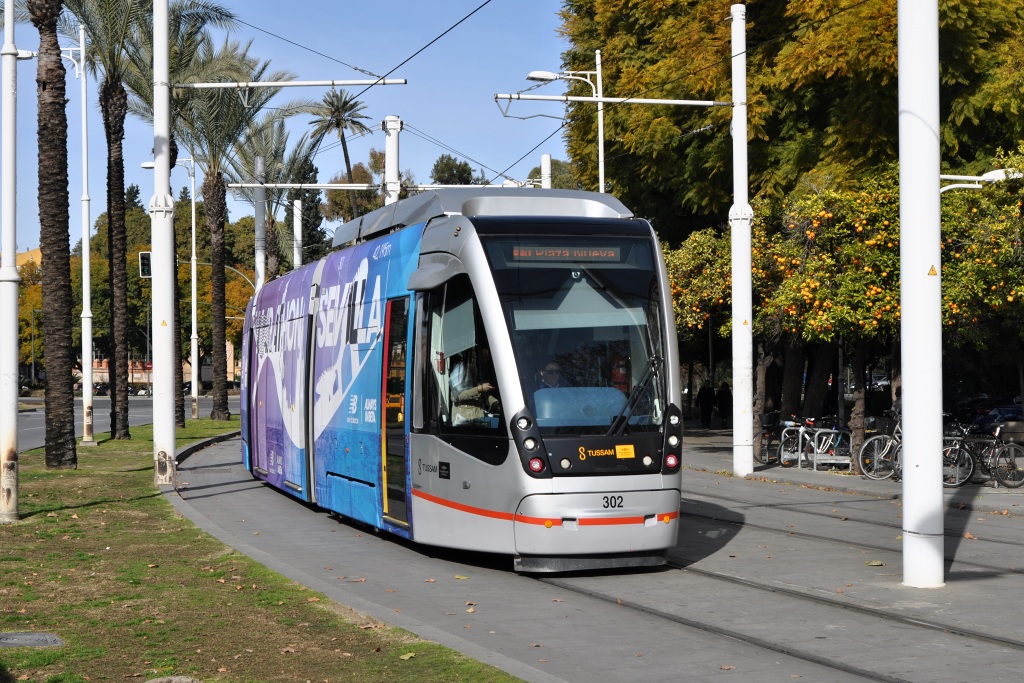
x,y
814,445
771,432
995,455
879,456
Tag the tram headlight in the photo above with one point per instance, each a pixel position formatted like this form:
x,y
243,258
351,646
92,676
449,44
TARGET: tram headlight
x,y
673,440
673,420
648,461
530,443
536,465
523,423
565,463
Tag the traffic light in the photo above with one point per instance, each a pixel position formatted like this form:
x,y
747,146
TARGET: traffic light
x,y
145,264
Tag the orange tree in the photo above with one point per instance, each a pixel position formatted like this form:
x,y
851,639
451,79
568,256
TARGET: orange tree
x,y
983,285
836,283
701,278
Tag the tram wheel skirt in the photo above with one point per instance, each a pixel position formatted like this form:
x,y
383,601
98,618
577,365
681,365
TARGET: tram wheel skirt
x,y
580,563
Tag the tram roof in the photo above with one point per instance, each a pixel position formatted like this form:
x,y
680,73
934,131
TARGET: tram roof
x,y
482,201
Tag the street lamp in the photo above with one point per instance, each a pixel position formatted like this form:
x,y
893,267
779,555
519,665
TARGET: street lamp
x,y
975,182
194,350
596,86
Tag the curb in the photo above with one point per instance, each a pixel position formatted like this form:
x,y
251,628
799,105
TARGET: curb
x,y
182,454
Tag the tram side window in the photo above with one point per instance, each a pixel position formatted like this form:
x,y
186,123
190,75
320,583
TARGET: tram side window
x,y
465,387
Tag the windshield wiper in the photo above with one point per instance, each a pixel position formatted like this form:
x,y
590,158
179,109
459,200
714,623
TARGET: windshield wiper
x,y
622,419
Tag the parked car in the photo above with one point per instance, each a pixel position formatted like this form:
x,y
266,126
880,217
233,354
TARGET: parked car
x,y
1003,409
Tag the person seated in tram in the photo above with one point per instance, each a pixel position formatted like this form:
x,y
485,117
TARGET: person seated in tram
x,y
473,389
618,376
549,376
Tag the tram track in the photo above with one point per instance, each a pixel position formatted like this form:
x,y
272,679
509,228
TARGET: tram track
x,y
759,561
866,546
708,627
916,622
869,620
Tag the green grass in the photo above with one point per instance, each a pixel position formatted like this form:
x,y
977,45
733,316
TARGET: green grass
x,y
135,591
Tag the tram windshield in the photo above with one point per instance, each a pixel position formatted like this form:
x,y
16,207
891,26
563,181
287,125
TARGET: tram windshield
x,y
585,319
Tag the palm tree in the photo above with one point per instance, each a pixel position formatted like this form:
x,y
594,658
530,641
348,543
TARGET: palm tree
x,y
111,26
209,124
339,112
187,24
267,138
54,238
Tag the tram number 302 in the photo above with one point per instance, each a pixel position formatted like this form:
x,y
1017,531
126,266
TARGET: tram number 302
x,y
612,502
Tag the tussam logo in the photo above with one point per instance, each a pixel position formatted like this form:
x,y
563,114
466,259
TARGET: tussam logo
x,y
425,467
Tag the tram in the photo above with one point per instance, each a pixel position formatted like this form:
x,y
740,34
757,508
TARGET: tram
x,y
488,369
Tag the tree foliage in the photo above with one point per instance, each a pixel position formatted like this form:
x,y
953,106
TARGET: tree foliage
x,y
822,96
448,170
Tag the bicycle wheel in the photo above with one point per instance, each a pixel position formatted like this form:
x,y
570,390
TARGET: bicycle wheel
x,y
876,457
764,454
957,465
1009,467
789,449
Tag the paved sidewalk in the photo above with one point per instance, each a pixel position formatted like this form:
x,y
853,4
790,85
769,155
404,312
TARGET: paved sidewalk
x,y
711,450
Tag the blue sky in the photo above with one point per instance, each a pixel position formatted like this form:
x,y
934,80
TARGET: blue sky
x,y
447,107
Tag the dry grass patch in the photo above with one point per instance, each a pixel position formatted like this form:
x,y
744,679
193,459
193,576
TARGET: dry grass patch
x,y
101,559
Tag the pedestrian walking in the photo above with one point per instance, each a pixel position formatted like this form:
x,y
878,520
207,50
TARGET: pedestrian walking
x,y
724,403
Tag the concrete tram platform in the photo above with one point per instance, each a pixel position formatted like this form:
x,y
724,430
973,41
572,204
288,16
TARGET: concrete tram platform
x,y
711,450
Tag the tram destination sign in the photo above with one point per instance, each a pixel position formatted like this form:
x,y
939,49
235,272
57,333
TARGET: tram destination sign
x,y
566,253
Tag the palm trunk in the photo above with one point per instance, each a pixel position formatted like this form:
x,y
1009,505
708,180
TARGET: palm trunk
x,y
114,106
54,239
348,170
215,200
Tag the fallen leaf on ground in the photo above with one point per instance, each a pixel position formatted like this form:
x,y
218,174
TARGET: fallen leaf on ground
x,y
407,656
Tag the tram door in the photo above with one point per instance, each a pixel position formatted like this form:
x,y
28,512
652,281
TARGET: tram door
x,y
395,354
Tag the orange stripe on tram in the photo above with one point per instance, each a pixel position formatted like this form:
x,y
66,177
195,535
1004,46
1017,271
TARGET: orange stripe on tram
x,y
541,521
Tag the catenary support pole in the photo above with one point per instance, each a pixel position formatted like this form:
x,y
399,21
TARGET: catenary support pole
x,y
296,233
193,355
392,184
87,392
740,219
600,121
921,293
9,280
260,200
545,171
161,211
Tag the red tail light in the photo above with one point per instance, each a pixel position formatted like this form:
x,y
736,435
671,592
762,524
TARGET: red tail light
x,y
536,465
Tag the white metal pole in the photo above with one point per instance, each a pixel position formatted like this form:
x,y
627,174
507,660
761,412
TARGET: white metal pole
x,y
87,408
194,348
740,218
921,293
9,280
392,185
161,211
600,124
260,197
545,171
296,233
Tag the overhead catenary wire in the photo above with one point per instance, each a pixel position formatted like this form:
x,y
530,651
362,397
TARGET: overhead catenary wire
x,y
393,69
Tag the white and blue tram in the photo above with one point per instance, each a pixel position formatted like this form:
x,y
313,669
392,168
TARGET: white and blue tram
x,y
399,381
